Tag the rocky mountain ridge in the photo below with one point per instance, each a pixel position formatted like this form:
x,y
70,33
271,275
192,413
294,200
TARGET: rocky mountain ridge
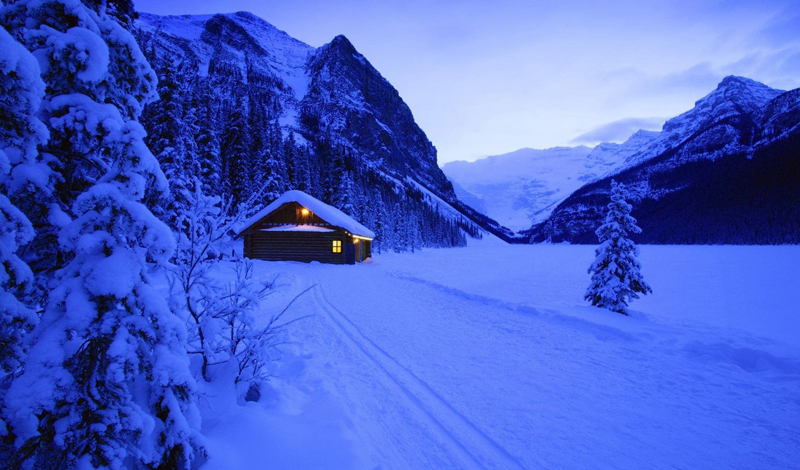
x,y
723,172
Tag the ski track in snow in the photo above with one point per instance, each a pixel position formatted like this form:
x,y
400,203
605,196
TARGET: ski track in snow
x,y
475,448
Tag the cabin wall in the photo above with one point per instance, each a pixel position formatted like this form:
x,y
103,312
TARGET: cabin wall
x,y
295,246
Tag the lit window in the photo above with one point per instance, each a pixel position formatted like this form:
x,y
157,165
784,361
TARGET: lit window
x,y
337,246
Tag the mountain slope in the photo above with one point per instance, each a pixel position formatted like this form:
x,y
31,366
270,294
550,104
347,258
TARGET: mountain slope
x,y
724,172
606,158
347,96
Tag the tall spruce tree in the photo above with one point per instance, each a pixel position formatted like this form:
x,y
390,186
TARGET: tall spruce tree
x,y
235,152
208,142
616,278
271,176
106,383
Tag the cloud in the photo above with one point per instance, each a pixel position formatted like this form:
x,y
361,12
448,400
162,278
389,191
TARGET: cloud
x,y
783,30
697,80
778,69
618,131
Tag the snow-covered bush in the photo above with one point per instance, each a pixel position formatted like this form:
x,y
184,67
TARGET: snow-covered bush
x,y
106,383
616,278
247,343
200,233
222,316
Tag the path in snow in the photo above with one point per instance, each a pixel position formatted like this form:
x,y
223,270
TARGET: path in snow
x,y
470,445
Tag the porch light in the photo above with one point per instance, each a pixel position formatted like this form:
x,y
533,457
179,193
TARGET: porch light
x,y
304,211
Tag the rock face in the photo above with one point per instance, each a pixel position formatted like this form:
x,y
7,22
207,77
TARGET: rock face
x,y
724,172
348,97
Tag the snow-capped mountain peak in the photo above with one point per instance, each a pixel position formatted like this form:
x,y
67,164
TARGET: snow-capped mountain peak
x,y
733,95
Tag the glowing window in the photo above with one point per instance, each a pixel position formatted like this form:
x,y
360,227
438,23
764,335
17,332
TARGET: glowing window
x,y
337,246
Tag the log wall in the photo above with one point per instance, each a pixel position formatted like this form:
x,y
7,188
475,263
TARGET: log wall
x,y
295,246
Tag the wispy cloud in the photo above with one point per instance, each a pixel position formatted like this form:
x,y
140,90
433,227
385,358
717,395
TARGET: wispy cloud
x,y
782,30
697,81
618,131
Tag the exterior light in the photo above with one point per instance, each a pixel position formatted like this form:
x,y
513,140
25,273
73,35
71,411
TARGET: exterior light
x,y
355,241
304,211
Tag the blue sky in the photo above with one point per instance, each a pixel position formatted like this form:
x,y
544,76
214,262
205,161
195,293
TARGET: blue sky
x,y
484,78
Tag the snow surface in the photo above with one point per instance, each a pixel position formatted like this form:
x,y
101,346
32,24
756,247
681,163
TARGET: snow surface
x,y
327,213
488,357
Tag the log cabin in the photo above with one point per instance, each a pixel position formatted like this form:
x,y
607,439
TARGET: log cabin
x,y
298,227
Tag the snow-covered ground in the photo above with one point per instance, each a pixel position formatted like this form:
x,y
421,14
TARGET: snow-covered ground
x,y
487,357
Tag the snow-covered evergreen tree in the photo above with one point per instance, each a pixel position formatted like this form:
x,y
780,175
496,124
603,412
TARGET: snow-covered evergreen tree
x,y
20,171
616,278
208,143
106,382
271,176
380,223
235,152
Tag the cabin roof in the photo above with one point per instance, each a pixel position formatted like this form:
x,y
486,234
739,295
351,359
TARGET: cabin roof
x,y
325,212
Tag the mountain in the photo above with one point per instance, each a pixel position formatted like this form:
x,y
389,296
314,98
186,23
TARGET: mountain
x,y
725,171
348,97
476,202
607,157
251,110
524,186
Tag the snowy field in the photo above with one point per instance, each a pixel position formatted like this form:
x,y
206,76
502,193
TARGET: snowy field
x,y
488,357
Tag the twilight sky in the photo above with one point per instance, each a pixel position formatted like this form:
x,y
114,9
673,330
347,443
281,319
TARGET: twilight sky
x,y
485,78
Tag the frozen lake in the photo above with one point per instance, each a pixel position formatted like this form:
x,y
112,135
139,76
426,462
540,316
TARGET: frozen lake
x,y
488,357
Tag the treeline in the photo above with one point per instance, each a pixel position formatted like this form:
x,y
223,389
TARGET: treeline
x,y
736,200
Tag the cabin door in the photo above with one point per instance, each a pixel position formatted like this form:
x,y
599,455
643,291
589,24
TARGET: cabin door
x,y
350,253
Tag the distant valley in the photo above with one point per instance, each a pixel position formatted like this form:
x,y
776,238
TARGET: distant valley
x,y
523,187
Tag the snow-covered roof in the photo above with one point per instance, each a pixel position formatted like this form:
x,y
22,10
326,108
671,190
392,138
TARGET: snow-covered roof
x,y
297,228
325,212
